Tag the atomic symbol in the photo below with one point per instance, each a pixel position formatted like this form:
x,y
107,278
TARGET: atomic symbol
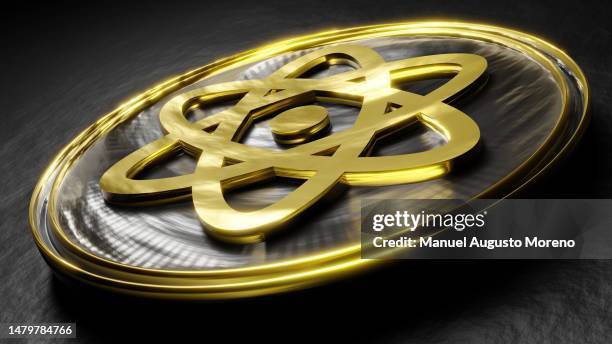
x,y
224,163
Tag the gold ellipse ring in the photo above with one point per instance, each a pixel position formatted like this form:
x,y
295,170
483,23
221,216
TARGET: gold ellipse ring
x,y
320,154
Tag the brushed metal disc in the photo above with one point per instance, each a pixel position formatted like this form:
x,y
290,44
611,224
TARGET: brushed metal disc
x,y
517,110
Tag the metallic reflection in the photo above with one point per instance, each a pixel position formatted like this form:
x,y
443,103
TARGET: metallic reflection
x,y
515,113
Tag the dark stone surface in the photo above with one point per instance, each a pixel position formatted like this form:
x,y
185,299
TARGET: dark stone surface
x,y
66,65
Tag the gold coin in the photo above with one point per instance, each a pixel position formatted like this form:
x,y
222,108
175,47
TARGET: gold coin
x,y
364,121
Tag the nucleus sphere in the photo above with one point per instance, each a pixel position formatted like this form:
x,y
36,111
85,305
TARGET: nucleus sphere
x,y
226,181
300,124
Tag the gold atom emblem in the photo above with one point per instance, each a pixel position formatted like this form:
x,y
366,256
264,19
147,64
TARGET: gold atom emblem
x,y
223,163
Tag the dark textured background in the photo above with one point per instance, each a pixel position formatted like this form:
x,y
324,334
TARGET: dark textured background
x,y
66,65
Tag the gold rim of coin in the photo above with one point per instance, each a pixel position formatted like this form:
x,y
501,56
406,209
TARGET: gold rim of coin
x,y
300,272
